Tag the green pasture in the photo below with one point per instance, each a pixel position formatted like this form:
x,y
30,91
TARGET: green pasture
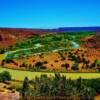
x,y
20,75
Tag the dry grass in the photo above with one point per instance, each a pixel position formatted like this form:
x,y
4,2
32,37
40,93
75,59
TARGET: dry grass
x,y
54,60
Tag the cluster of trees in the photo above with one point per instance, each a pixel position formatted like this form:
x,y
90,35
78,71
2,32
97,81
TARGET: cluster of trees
x,y
48,42
80,89
27,43
82,59
38,66
74,57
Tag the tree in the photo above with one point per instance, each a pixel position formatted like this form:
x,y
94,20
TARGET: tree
x,y
25,87
5,76
66,65
93,65
2,51
39,65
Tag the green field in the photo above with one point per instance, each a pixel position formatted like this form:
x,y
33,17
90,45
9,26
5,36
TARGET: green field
x,y
20,75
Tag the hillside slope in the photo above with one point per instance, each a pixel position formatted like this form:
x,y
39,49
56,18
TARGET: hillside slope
x,y
92,41
9,36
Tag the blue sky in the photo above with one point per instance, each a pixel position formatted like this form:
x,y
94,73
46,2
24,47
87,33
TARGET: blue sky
x,y
49,13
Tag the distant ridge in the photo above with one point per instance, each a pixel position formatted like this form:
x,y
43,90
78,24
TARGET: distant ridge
x,y
60,29
78,29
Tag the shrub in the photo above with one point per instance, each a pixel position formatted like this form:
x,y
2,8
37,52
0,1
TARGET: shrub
x,y
75,66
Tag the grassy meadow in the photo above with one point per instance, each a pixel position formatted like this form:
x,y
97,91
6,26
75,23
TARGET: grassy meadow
x,y
20,75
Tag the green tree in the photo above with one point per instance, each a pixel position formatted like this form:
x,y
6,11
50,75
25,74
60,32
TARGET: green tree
x,y
25,88
5,76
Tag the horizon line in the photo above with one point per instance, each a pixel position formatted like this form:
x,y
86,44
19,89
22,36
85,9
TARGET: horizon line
x,y
50,28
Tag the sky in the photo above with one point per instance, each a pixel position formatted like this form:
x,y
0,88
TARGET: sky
x,y
49,13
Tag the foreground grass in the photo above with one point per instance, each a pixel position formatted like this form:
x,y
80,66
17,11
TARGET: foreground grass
x,y
20,75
